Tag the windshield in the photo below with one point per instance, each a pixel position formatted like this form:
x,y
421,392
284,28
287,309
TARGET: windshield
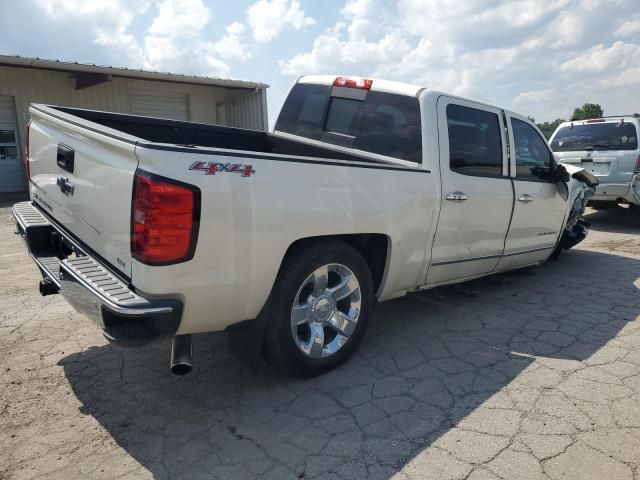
x,y
377,122
596,136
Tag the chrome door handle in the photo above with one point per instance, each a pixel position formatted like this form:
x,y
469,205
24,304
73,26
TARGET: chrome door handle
x,y
525,197
456,196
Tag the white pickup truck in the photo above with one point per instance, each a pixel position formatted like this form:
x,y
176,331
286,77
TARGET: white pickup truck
x,y
366,190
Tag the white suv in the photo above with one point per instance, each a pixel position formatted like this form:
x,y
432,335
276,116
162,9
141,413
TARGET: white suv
x,y
608,148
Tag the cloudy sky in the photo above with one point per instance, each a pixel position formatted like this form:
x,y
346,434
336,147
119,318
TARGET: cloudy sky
x,y
538,57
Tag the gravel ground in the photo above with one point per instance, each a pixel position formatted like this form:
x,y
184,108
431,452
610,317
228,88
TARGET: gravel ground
x,y
534,374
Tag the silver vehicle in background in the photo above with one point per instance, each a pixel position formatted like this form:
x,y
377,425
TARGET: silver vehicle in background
x,y
608,148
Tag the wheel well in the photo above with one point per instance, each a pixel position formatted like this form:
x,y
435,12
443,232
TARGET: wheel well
x,y
374,247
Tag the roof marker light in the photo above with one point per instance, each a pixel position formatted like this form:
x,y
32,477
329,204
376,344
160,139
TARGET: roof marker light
x,y
353,82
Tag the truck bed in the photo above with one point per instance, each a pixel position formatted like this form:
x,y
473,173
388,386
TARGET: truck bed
x,y
191,134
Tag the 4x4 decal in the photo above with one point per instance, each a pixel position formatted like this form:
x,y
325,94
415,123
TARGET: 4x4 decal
x,y
211,168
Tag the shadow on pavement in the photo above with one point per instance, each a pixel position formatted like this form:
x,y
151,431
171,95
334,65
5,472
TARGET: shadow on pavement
x,y
427,362
617,219
8,199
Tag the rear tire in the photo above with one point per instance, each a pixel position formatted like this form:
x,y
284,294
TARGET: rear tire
x,y
319,308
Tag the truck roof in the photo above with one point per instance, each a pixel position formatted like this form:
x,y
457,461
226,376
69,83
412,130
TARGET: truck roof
x,y
378,85
388,86
606,119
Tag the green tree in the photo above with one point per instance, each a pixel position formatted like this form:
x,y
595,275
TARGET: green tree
x,y
588,110
547,128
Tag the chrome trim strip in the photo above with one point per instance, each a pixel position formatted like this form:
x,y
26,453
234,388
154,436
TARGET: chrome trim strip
x,y
533,250
471,259
613,184
490,257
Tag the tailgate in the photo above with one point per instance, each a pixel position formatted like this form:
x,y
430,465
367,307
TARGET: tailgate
x,y
615,166
599,164
82,176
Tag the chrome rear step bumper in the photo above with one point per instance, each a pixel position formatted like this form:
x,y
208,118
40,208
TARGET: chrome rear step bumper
x,y
126,317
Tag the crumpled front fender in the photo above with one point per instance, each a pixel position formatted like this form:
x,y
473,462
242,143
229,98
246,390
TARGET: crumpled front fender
x,y
581,188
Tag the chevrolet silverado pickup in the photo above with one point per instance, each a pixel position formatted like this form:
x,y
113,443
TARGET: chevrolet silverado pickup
x,y
366,190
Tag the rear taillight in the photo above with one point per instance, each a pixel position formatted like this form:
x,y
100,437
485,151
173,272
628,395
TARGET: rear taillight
x,y
353,82
25,152
637,169
164,220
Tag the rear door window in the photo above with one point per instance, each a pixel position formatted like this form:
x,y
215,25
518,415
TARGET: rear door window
x,y
376,122
475,144
596,136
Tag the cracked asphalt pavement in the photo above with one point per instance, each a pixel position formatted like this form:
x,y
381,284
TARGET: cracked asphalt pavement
x,y
532,374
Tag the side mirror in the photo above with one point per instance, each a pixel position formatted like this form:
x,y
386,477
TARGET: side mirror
x,y
563,190
560,174
562,177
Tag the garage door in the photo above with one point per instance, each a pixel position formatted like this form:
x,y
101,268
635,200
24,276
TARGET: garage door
x,y
162,105
10,164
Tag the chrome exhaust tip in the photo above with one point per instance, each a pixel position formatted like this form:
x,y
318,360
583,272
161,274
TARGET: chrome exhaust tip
x,y
181,355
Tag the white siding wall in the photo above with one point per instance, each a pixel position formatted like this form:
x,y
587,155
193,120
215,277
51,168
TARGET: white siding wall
x,y
58,88
245,110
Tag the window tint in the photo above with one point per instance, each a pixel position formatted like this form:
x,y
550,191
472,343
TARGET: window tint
x,y
302,113
596,136
381,123
475,146
341,114
8,153
533,158
7,136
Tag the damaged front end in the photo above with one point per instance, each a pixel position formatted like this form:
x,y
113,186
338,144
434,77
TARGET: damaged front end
x,y
583,188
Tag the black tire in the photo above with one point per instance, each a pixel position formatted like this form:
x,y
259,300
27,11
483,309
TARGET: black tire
x,y
279,344
602,205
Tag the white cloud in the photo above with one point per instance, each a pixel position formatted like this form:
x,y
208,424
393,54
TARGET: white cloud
x,y
177,39
628,77
231,46
600,58
268,18
532,97
628,28
179,18
109,20
530,54
92,8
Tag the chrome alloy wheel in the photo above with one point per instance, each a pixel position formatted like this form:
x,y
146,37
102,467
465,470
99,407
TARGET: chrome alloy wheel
x,y
325,310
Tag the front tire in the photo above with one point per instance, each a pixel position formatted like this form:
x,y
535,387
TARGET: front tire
x,y
319,308
602,205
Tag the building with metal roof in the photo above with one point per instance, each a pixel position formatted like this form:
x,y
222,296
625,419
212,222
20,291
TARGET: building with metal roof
x,y
23,81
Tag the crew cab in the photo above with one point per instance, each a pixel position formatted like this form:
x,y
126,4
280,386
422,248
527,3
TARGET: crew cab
x,y
366,190
607,148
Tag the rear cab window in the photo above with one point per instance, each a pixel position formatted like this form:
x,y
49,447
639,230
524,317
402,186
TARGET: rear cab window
x,y
377,122
596,136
